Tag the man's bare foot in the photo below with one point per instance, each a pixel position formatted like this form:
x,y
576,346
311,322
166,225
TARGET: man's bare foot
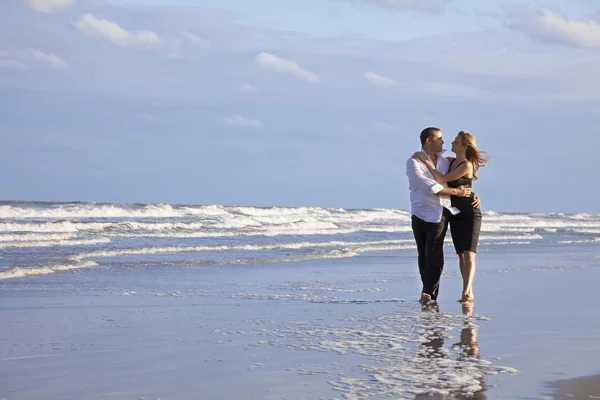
x,y
425,298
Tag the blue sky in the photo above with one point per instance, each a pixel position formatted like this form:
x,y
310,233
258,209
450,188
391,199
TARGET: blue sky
x,y
295,103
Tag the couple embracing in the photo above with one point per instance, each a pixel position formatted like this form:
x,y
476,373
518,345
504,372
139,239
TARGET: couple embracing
x,y
440,195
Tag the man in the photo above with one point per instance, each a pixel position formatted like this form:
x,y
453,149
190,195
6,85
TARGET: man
x,y
431,209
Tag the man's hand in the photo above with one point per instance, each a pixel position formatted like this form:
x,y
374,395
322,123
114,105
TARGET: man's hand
x,y
463,191
476,203
419,156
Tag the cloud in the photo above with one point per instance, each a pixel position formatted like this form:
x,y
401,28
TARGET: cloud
x,y
51,59
103,29
386,127
144,117
245,87
379,80
245,122
197,40
428,6
28,58
275,63
543,24
471,71
11,63
48,6
455,90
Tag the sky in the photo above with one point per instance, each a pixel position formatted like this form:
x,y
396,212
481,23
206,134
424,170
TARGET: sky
x,y
296,103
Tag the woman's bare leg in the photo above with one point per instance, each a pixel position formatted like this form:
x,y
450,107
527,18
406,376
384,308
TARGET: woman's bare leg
x,y
461,266
468,275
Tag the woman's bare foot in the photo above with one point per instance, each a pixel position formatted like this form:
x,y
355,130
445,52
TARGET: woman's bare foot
x,y
425,298
466,297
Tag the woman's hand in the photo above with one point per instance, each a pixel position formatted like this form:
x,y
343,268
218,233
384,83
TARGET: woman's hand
x,y
420,156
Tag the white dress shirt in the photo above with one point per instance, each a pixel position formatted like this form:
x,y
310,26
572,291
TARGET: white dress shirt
x,y
424,202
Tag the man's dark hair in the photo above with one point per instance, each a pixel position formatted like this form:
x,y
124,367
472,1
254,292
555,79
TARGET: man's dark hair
x,y
428,133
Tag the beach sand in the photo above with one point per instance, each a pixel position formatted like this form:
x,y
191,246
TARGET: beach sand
x,y
342,328
578,388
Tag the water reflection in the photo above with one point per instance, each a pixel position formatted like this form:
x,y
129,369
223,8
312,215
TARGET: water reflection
x,y
468,350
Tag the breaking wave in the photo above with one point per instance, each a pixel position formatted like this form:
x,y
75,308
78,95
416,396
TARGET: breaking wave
x,y
78,232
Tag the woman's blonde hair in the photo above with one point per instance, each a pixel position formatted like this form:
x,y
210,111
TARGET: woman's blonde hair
x,y
474,155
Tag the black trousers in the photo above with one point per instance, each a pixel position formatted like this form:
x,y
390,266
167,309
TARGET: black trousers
x,y
430,245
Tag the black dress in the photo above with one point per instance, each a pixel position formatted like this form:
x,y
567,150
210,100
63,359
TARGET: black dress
x,y
464,226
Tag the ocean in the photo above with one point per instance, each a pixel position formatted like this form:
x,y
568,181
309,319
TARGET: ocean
x,y
38,238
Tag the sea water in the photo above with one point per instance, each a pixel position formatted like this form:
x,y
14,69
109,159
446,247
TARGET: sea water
x,y
44,238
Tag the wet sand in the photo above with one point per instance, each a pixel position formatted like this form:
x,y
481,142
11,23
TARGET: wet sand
x,y
585,388
347,328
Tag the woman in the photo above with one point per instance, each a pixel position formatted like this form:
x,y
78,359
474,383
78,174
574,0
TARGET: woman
x,y
466,225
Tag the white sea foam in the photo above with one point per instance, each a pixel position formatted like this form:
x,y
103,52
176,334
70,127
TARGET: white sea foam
x,y
52,243
58,227
235,221
329,254
326,289
68,226
591,240
197,229
280,211
91,211
374,215
413,353
333,249
206,211
351,246
273,215
386,229
231,221
504,243
285,297
35,237
510,237
20,272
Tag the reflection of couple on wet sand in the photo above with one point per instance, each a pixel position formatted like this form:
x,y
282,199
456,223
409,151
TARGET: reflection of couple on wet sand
x,y
468,350
440,195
